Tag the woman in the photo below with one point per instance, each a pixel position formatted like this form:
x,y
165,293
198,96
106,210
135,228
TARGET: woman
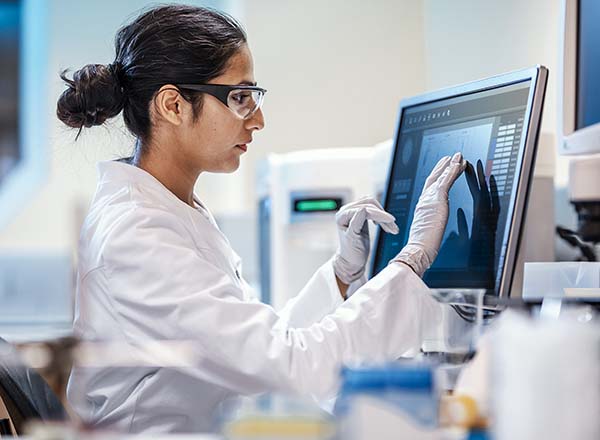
x,y
153,264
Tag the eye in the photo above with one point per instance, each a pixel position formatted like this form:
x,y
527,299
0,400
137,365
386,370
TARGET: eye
x,y
241,97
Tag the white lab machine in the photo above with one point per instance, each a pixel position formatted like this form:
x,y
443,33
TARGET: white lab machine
x,y
299,194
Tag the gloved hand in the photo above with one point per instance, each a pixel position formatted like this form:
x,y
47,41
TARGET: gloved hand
x,y
431,215
353,230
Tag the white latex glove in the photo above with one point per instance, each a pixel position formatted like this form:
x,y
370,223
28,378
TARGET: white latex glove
x,y
353,230
431,215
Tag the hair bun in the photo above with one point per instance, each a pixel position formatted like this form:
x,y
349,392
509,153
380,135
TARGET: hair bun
x,y
94,95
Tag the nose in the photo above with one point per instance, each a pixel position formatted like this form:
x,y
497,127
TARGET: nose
x,y
256,122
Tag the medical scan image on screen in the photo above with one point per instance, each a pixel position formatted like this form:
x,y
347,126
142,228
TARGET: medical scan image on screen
x,y
486,128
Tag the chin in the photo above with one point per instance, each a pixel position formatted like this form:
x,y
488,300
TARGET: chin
x,y
224,166
230,167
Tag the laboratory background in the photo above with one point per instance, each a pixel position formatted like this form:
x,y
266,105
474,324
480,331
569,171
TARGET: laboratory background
x,y
339,75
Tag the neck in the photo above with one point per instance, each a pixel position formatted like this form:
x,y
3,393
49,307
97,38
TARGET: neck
x,y
175,176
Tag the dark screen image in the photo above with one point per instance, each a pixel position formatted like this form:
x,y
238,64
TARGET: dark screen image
x,y
588,64
486,127
9,85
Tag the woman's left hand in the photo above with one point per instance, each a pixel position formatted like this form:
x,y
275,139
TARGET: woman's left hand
x,y
351,258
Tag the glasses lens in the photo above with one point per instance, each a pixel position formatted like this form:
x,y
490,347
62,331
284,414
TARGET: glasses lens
x,y
245,102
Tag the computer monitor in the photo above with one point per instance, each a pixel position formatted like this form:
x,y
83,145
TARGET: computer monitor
x,y
578,110
495,124
588,64
578,73
24,116
9,86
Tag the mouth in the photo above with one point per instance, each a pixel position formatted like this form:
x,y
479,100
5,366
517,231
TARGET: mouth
x,y
243,147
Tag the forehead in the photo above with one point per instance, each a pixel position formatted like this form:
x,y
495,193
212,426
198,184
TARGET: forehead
x,y
240,69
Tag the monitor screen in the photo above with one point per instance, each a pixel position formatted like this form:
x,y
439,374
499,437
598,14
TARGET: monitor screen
x,y
588,64
24,93
487,127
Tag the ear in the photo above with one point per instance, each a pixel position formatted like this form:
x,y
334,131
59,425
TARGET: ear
x,y
169,105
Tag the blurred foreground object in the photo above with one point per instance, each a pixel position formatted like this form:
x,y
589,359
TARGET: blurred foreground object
x,y
396,400
24,393
546,378
277,417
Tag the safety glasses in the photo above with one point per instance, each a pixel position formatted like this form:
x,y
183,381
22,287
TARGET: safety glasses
x,y
242,100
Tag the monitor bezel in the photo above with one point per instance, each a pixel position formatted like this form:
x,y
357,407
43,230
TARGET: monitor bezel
x,y
538,76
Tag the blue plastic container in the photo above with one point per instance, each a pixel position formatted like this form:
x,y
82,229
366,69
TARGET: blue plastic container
x,y
407,387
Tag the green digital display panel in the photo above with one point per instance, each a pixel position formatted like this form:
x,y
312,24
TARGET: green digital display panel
x,y
317,205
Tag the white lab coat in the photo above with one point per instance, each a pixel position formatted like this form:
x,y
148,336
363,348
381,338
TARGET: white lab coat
x,y
153,268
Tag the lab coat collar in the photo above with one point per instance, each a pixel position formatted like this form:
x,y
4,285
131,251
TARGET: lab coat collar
x,y
121,171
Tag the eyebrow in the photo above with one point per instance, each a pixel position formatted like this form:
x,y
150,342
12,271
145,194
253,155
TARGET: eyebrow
x,y
247,83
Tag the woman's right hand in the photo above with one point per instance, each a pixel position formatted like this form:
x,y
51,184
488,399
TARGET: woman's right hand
x,y
431,215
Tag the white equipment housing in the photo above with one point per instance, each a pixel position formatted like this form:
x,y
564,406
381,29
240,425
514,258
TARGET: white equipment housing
x,y
297,230
584,178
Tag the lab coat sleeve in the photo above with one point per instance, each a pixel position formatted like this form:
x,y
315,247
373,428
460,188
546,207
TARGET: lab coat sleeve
x,y
162,287
319,297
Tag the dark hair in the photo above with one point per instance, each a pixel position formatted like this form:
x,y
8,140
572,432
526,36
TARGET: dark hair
x,y
165,45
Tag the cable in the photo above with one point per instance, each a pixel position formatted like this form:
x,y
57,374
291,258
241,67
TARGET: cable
x,y
468,312
574,240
